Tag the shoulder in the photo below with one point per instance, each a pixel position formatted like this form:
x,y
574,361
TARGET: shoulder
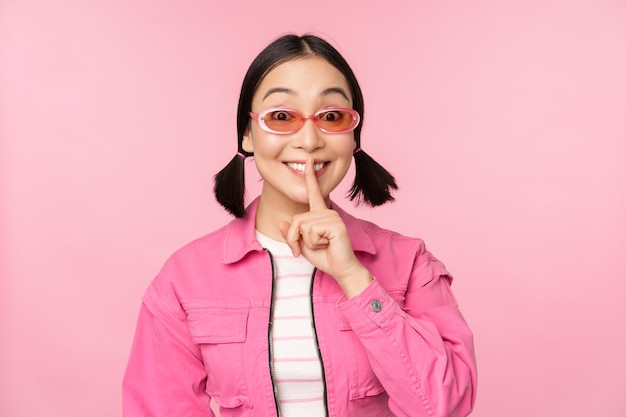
x,y
207,246
189,272
391,251
381,238
179,275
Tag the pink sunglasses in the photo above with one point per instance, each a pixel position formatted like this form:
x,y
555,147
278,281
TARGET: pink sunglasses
x,y
283,121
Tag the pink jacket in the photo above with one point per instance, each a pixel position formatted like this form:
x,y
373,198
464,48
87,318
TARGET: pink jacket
x,y
401,347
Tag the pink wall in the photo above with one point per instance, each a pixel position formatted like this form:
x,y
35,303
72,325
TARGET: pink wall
x,y
504,124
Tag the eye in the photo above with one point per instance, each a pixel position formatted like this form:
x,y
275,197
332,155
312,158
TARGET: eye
x,y
281,115
331,116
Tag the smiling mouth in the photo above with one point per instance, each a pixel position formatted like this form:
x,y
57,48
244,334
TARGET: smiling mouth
x,y
300,167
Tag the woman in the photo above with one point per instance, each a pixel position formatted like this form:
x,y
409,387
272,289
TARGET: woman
x,y
295,307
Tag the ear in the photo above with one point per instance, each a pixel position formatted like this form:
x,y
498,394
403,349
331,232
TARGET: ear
x,y
247,144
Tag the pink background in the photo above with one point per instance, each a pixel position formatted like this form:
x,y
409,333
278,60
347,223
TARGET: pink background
x,y
504,123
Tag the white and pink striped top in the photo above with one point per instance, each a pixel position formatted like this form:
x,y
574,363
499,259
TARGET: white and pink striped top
x,y
297,368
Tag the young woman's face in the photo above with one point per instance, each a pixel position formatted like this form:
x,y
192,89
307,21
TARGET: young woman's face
x,y
308,85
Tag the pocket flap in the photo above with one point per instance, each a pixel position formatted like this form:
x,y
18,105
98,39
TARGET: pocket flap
x,y
218,324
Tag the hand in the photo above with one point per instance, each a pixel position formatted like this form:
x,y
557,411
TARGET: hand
x,y
321,236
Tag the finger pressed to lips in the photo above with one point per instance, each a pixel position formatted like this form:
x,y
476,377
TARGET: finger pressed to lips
x,y
316,199
295,232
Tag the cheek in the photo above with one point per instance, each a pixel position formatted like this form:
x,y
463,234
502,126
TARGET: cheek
x,y
345,146
267,145
343,149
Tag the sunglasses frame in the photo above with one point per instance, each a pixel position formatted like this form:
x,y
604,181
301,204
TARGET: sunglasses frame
x,y
260,118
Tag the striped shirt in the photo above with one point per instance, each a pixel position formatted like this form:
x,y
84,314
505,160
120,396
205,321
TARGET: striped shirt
x,y
297,367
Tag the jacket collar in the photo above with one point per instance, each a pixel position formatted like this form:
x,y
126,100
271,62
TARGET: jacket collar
x,y
240,234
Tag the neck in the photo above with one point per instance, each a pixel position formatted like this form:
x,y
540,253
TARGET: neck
x,y
275,208
270,213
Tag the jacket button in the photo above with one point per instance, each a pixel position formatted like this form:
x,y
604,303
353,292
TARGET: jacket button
x,y
376,306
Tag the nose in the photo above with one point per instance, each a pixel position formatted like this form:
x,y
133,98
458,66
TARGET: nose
x,y
309,137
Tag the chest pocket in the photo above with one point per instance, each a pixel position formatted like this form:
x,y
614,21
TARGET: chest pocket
x,y
220,331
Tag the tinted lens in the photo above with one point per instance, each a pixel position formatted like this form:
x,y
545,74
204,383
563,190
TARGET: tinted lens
x,y
336,120
282,120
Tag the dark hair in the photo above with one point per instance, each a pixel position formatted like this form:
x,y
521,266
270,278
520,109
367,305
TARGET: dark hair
x,y
372,183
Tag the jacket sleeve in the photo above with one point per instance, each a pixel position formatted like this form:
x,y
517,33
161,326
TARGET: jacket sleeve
x,y
421,351
165,375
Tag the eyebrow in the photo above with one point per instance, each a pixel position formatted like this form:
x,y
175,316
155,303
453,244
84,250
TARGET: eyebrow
x,y
279,90
331,90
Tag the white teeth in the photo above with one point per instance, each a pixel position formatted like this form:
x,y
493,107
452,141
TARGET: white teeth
x,y
297,167
300,167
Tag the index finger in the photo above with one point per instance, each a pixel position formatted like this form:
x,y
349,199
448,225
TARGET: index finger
x,y
316,199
